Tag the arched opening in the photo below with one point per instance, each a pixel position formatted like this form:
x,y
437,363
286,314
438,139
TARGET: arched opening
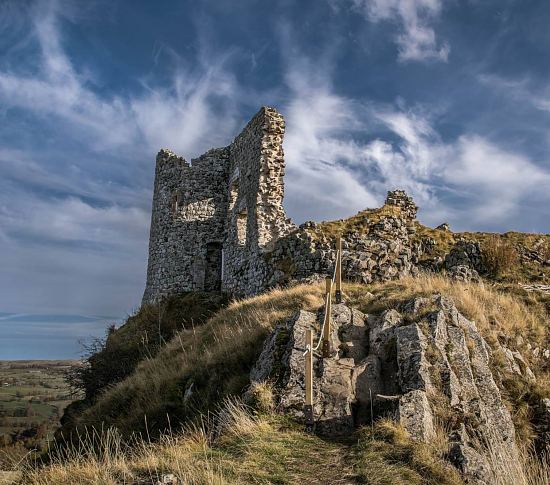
x,y
213,267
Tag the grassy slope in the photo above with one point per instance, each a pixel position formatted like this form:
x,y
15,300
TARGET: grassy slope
x,y
216,357
252,448
265,447
141,337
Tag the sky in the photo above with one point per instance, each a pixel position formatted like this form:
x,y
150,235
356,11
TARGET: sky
x,y
447,99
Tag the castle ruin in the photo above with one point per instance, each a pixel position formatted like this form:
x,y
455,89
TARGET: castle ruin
x,y
218,223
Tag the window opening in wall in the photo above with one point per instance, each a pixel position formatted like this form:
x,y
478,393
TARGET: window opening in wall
x,y
242,218
233,193
175,203
213,267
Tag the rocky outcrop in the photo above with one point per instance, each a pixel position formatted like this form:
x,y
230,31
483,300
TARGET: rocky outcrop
x,y
464,261
420,363
382,248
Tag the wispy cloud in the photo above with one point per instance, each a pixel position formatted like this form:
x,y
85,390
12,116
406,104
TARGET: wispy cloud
x,y
87,207
197,102
489,181
416,39
522,89
319,148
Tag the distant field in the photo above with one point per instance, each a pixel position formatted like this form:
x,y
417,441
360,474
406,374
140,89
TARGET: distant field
x,y
33,393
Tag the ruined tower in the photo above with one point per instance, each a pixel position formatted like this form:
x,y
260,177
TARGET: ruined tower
x,y
214,218
218,224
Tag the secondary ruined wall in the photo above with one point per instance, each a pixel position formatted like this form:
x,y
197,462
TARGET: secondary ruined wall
x,y
256,218
218,223
383,249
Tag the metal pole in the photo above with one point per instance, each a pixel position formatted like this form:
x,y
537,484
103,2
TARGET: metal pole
x,y
338,292
328,311
308,406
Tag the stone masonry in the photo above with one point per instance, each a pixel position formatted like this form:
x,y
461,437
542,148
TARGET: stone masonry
x,y
218,224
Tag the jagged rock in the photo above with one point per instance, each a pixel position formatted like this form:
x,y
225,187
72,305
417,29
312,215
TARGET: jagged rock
x,y
411,358
542,418
415,414
473,466
393,365
516,364
416,305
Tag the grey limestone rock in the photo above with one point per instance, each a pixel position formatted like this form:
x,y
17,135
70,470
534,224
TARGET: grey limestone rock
x,y
400,363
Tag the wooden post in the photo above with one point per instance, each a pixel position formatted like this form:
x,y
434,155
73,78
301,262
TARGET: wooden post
x,y
328,311
308,406
338,280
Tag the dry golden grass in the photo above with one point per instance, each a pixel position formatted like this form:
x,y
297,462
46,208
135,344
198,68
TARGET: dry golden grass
x,y
215,358
508,468
499,256
234,448
360,222
387,456
260,396
493,311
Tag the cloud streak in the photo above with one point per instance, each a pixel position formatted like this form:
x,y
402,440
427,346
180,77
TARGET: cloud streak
x,y
416,39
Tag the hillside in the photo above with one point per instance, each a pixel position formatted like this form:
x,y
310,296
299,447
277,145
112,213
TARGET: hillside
x,y
201,366
171,392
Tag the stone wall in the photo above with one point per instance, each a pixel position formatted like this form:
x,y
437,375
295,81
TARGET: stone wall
x,y
382,250
256,218
218,223
189,213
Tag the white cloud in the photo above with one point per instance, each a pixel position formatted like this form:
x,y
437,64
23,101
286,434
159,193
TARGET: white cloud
x,y
491,182
72,220
195,111
496,180
321,181
416,40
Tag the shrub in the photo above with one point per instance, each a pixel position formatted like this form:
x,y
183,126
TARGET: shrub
x,y
499,256
112,359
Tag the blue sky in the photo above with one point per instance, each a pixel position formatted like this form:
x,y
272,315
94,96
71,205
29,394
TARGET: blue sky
x,y
447,99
